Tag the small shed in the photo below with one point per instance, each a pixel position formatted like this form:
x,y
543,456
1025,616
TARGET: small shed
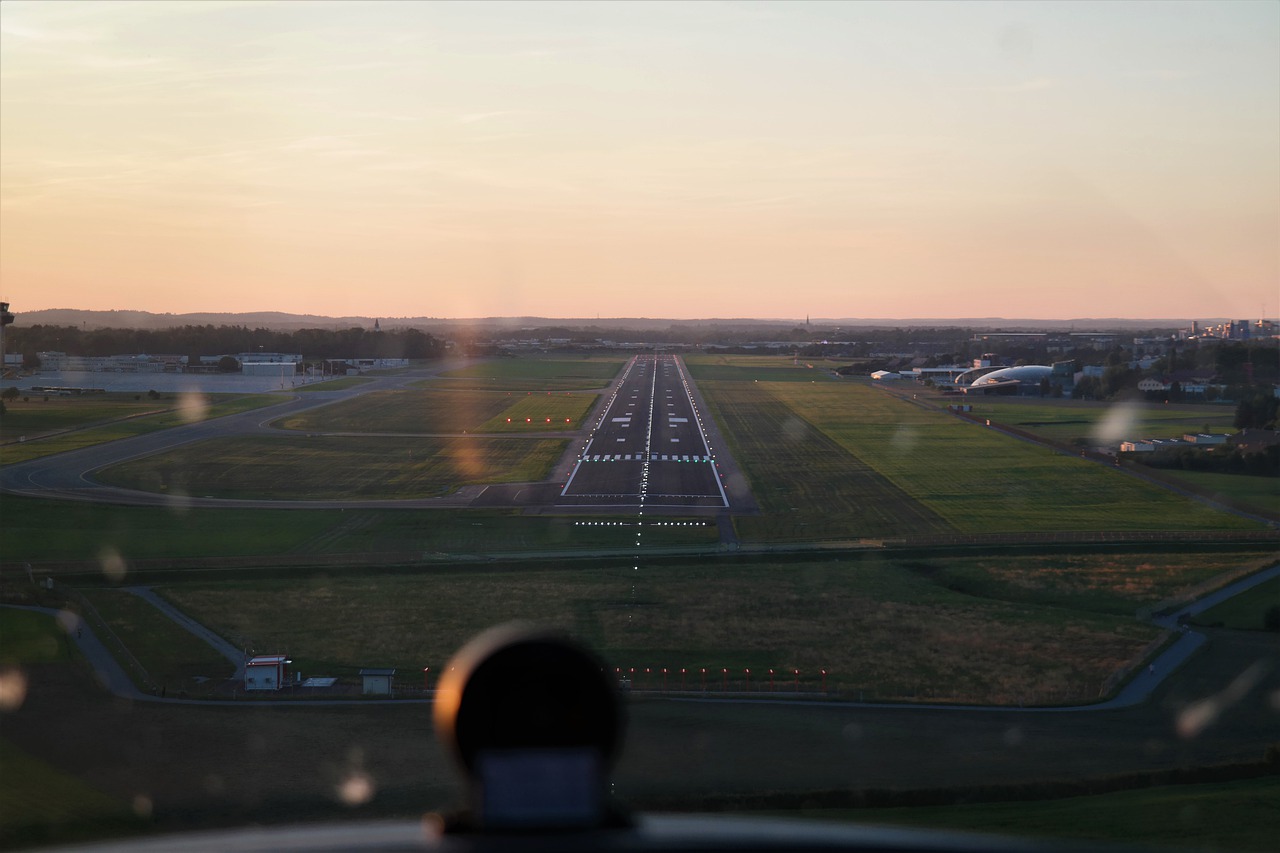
x,y
377,682
265,672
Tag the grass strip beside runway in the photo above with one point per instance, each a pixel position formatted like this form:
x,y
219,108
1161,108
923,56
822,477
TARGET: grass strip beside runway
x,y
547,373
318,467
428,411
974,478
77,418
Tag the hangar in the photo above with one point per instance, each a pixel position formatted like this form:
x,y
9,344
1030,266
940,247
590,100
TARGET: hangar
x,y
1025,378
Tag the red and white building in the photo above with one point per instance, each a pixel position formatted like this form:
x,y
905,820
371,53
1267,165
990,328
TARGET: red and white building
x,y
265,672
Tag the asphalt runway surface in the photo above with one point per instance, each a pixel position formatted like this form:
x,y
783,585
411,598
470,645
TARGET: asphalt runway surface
x,y
648,448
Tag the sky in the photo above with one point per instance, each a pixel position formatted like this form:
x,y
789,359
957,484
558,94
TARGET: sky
x,y
655,159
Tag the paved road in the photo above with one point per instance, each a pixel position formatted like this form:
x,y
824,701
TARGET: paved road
x,y
221,646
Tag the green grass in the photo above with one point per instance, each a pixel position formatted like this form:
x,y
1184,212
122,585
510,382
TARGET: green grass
x,y
174,658
189,408
468,533
402,411
38,530
28,637
533,374
38,415
40,804
1241,816
564,411
808,485
1094,423
336,466
1245,611
1118,584
881,629
1260,492
759,373
454,412
974,479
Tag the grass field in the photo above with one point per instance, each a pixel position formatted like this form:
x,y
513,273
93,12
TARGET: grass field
x,y
28,637
428,412
545,373
37,802
958,474
85,428
885,630
73,530
403,411
734,371
1246,611
467,534
336,466
1118,584
41,805
1241,815
39,530
808,486
174,658
38,415
1094,423
564,411
1261,492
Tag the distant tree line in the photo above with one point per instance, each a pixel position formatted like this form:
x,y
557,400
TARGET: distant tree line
x,y
1219,460
195,341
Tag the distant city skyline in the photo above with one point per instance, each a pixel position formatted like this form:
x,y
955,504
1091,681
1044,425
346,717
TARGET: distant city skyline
x,y
667,160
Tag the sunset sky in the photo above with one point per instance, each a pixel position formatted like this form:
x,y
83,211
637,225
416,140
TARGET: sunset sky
x,y
683,160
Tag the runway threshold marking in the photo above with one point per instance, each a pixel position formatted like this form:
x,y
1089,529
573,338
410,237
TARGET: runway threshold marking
x,y
605,414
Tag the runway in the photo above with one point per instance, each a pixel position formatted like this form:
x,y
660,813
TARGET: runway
x,y
649,448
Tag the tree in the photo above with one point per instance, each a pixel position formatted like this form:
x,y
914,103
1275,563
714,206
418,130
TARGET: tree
x,y
227,364
1257,410
1088,388
10,393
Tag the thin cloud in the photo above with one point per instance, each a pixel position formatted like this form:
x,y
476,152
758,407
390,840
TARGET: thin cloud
x,y
39,36
1163,74
472,118
1038,84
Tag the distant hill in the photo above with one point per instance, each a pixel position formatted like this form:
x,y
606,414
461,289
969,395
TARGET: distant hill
x,y
285,321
